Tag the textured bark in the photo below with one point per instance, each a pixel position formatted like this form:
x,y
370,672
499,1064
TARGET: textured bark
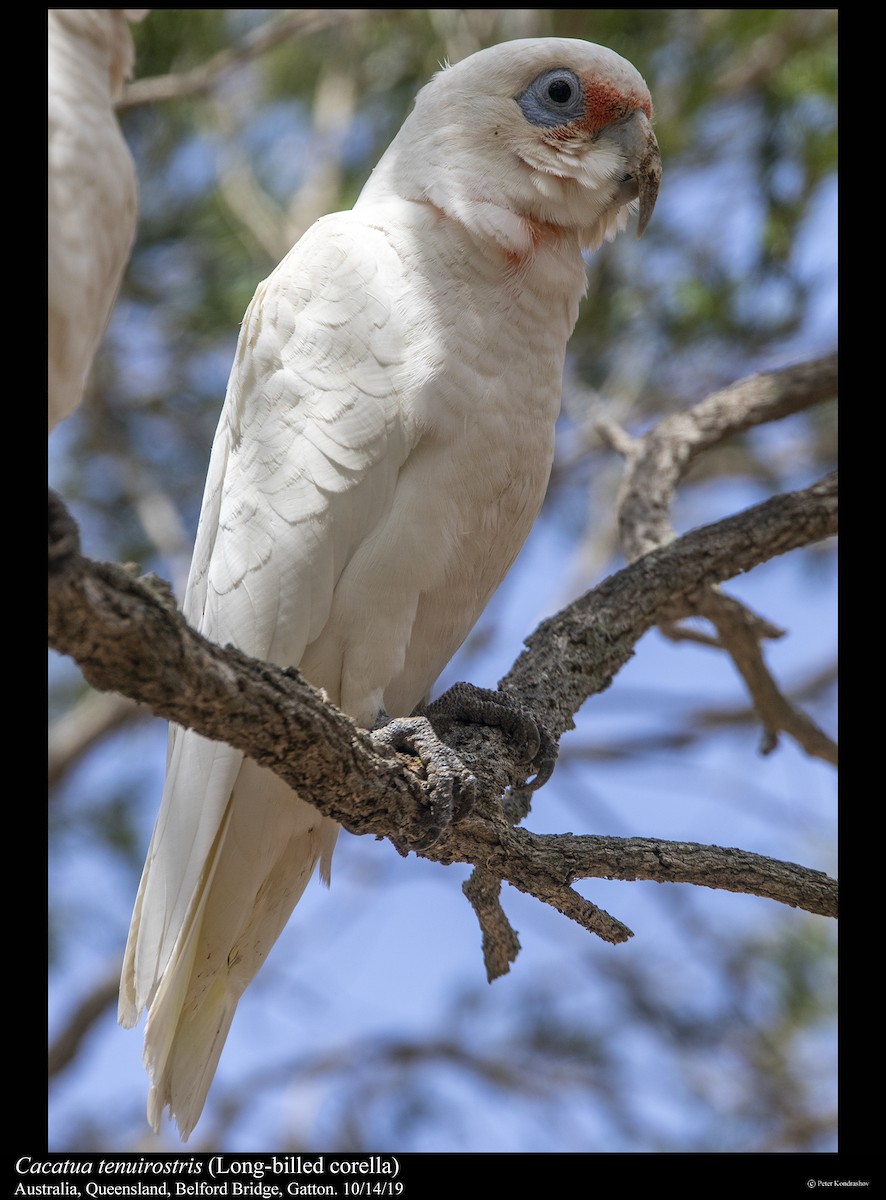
x,y
127,636
656,464
659,460
578,652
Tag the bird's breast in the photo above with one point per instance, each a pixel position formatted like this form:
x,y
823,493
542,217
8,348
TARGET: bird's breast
x,y
478,389
472,488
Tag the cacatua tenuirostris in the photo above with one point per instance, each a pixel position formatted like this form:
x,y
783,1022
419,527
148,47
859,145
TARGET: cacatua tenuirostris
x,y
92,190
382,453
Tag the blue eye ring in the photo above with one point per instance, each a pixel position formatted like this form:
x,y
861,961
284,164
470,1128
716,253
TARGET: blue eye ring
x,y
553,98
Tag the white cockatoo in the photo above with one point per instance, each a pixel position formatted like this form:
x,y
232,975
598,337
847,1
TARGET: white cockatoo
x,y
92,190
383,451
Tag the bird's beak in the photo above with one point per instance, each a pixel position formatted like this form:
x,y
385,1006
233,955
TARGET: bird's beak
x,y
635,137
648,179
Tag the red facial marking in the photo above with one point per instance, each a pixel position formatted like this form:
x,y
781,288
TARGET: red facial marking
x,y
605,102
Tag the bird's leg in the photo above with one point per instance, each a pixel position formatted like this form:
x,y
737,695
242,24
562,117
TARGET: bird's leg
x,y
450,786
466,703
481,706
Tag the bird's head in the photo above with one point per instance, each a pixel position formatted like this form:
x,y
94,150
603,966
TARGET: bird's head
x,y
535,135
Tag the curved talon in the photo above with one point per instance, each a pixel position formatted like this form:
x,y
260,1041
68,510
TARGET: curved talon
x,y
544,762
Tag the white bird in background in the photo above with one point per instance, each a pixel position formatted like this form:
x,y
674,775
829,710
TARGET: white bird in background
x,y
93,194
383,451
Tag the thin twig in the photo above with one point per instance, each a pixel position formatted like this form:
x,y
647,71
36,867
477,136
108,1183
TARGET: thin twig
x,y
655,465
199,80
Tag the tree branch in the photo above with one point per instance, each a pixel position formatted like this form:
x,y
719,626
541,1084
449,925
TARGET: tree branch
x,y
66,1044
202,79
656,464
500,943
578,652
658,461
92,718
728,869
128,637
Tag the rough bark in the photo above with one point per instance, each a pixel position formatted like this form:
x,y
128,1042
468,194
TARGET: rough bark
x,y
128,637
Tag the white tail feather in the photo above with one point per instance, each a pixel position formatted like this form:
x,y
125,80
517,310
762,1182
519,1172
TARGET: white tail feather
x,y
266,847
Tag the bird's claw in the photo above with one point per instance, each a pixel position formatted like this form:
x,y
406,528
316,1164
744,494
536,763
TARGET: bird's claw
x,y
482,706
449,786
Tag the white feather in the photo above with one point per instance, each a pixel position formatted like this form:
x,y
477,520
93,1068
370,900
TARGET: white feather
x,y
382,453
92,190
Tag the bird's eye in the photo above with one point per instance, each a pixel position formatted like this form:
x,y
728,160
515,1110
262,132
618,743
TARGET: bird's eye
x,y
553,98
560,91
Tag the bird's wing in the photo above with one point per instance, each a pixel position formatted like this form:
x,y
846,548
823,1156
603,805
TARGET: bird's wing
x,y
303,467
310,443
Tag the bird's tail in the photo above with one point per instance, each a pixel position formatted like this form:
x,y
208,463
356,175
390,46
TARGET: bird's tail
x,y
182,1054
261,859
